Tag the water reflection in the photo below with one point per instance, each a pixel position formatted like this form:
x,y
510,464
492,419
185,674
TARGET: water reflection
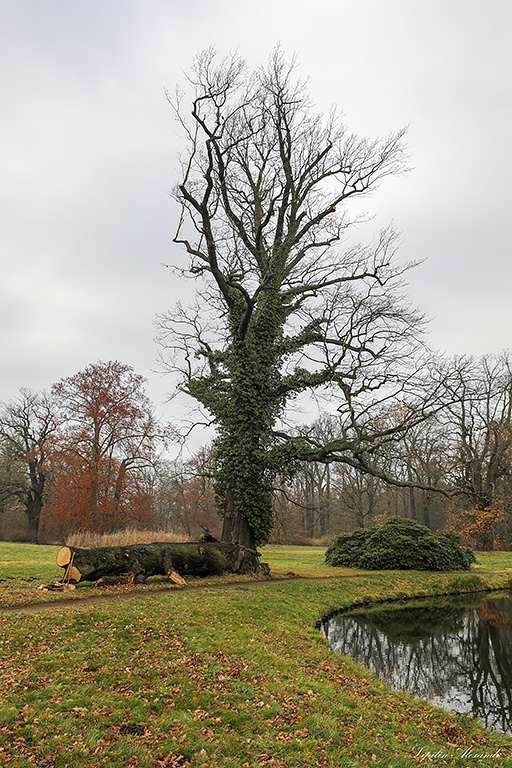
x,y
457,653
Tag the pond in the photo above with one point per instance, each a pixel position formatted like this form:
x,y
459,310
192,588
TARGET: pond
x,y
455,652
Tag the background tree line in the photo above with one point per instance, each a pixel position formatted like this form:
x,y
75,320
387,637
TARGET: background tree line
x,y
91,455
455,467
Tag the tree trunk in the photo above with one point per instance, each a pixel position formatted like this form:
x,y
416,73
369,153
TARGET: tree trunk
x,y
235,528
426,509
34,497
412,503
143,560
34,506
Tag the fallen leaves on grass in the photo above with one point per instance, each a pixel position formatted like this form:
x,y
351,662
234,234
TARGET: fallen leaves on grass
x,y
171,761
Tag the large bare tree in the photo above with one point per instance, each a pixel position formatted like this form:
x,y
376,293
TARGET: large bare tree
x,y
478,417
27,425
287,304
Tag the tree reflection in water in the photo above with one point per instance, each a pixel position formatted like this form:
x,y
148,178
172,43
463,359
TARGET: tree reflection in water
x,y
457,653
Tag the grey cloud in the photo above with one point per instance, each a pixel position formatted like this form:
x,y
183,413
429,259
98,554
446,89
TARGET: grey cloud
x,y
89,149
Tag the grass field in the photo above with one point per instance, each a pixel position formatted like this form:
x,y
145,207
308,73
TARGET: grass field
x,y
24,567
218,678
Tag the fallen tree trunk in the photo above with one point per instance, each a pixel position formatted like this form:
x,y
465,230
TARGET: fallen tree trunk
x,y
144,560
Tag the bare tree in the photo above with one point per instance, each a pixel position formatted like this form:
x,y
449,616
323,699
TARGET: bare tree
x,y
13,486
479,420
185,495
26,426
287,304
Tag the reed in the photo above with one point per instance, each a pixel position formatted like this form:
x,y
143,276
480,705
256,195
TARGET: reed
x,y
90,540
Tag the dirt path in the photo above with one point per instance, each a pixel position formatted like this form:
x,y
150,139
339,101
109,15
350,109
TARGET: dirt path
x,y
74,601
68,602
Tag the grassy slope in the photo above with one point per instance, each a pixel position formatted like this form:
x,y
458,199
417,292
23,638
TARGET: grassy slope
x,y
218,678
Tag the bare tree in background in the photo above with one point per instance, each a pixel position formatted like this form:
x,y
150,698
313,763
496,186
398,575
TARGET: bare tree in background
x,y
26,427
480,420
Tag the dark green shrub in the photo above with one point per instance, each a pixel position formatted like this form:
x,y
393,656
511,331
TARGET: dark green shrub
x,y
346,548
400,545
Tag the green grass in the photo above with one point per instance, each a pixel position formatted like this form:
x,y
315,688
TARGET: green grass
x,y
304,561
493,561
236,678
24,563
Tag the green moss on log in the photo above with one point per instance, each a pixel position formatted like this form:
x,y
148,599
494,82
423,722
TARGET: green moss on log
x,y
193,559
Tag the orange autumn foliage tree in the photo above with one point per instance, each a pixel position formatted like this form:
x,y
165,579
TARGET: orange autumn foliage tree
x,y
102,454
483,529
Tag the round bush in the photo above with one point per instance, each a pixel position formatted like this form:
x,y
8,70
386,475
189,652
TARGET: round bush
x,y
400,544
346,548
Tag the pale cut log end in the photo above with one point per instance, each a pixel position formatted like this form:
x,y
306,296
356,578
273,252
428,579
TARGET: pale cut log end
x,y
63,556
173,576
72,574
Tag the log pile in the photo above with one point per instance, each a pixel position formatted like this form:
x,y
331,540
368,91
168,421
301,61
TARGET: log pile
x,y
135,563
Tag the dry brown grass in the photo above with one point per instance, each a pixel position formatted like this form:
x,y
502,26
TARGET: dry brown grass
x,y
90,540
300,540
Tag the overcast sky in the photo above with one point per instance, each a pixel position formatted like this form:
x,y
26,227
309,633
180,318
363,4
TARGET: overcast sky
x,y
89,150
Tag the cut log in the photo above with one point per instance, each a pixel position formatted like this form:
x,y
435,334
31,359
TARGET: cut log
x,y
64,556
173,576
72,573
144,560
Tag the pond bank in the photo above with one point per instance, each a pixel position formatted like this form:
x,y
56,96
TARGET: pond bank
x,y
453,651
